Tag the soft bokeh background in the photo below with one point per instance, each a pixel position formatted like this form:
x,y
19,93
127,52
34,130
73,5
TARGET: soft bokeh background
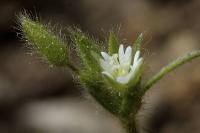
x,y
36,98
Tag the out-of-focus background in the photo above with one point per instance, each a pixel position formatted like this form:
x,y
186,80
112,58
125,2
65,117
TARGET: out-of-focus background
x,y
36,98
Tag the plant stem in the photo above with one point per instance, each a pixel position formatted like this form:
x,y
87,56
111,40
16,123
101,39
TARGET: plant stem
x,y
73,68
164,71
131,128
129,121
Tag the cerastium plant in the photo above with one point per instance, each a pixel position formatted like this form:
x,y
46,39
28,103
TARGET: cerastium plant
x,y
112,77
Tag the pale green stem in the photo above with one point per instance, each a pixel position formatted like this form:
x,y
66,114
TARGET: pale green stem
x,y
178,62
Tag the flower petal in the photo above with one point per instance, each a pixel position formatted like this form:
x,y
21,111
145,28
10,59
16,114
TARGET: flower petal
x,y
121,53
107,74
128,55
131,75
136,57
118,66
135,68
105,56
124,79
104,64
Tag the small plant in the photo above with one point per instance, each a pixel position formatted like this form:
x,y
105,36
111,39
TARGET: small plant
x,y
112,77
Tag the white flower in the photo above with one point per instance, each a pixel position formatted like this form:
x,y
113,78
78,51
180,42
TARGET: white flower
x,y
121,67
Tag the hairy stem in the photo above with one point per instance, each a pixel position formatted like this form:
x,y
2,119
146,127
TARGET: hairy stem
x,y
131,128
164,71
73,68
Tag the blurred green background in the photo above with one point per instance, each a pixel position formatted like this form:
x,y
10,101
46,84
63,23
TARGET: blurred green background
x,y
36,98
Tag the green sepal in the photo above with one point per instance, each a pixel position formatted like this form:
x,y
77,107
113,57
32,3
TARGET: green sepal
x,y
137,43
85,45
45,42
131,103
114,84
107,96
96,56
113,44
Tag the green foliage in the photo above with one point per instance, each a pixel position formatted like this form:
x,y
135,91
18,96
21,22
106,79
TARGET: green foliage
x,y
85,46
48,45
113,43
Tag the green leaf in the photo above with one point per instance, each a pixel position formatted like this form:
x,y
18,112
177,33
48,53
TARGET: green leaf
x,y
113,44
45,42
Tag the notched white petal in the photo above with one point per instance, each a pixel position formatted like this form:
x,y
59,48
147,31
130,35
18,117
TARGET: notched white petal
x,y
128,51
136,57
105,56
128,55
107,74
121,49
132,74
105,65
118,66
121,52
135,68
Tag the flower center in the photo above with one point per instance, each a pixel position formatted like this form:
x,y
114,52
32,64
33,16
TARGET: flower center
x,y
118,69
120,72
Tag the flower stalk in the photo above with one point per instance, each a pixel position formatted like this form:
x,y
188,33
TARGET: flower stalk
x,y
175,64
